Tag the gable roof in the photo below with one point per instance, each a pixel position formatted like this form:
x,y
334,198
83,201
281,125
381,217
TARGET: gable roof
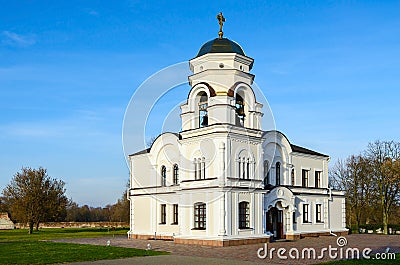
x,y
145,151
299,149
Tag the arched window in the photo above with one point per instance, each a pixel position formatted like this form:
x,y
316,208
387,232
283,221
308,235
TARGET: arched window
x,y
163,176
293,180
204,168
248,169
278,174
244,167
244,215
239,105
176,174
266,173
199,168
200,215
240,168
203,113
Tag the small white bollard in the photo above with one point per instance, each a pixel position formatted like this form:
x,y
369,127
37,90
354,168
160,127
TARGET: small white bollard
x,y
108,243
148,246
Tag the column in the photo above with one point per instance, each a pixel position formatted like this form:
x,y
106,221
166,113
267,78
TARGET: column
x,y
222,229
222,175
222,164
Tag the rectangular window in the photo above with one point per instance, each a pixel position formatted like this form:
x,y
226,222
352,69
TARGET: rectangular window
x,y
204,170
304,176
294,217
318,179
248,170
244,215
176,174
318,212
292,177
305,213
200,216
175,214
195,170
163,214
199,170
239,169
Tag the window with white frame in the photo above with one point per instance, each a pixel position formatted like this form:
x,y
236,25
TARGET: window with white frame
x,y
306,213
245,166
293,177
304,177
318,175
278,173
244,215
318,213
200,216
163,176
266,173
175,214
163,214
176,174
199,168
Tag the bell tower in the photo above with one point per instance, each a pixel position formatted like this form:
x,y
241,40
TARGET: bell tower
x,y
221,87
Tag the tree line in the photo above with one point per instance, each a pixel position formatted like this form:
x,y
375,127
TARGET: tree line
x,y
33,197
371,181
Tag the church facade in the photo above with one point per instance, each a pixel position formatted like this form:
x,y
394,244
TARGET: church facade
x,y
222,180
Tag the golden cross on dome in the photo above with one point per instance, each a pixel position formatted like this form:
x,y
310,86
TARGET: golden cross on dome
x,y
221,21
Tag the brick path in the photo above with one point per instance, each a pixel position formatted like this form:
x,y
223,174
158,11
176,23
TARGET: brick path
x,y
378,243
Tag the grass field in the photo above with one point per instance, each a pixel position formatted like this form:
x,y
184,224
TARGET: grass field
x,y
17,247
57,233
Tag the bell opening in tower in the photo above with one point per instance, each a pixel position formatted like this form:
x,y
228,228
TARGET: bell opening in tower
x,y
239,104
203,113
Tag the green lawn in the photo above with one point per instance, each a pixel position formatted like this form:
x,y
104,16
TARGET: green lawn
x,y
367,261
57,233
17,247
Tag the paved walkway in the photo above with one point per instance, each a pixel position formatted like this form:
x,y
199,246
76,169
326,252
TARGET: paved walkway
x,y
170,260
193,254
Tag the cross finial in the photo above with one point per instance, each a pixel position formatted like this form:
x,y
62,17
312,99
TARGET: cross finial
x,y
221,21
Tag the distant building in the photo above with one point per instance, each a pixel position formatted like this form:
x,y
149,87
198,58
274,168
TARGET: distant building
x,y
5,222
222,180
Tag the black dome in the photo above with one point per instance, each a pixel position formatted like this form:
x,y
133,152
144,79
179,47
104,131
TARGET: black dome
x,y
223,45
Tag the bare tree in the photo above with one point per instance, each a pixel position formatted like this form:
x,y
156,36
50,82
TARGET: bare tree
x,y
352,176
384,160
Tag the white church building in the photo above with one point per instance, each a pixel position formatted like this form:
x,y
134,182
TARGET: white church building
x,y
222,180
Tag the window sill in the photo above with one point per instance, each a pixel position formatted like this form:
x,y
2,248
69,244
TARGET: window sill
x,y
162,223
245,179
174,223
191,180
246,229
202,229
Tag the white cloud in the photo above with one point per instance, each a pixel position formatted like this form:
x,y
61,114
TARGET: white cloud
x,y
14,39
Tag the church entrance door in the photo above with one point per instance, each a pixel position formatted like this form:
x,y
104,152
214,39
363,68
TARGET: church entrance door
x,y
275,222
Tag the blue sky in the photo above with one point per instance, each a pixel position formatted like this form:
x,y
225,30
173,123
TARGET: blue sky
x,y
329,69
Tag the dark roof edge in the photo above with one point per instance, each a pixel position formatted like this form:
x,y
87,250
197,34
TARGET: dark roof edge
x,y
145,151
299,149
